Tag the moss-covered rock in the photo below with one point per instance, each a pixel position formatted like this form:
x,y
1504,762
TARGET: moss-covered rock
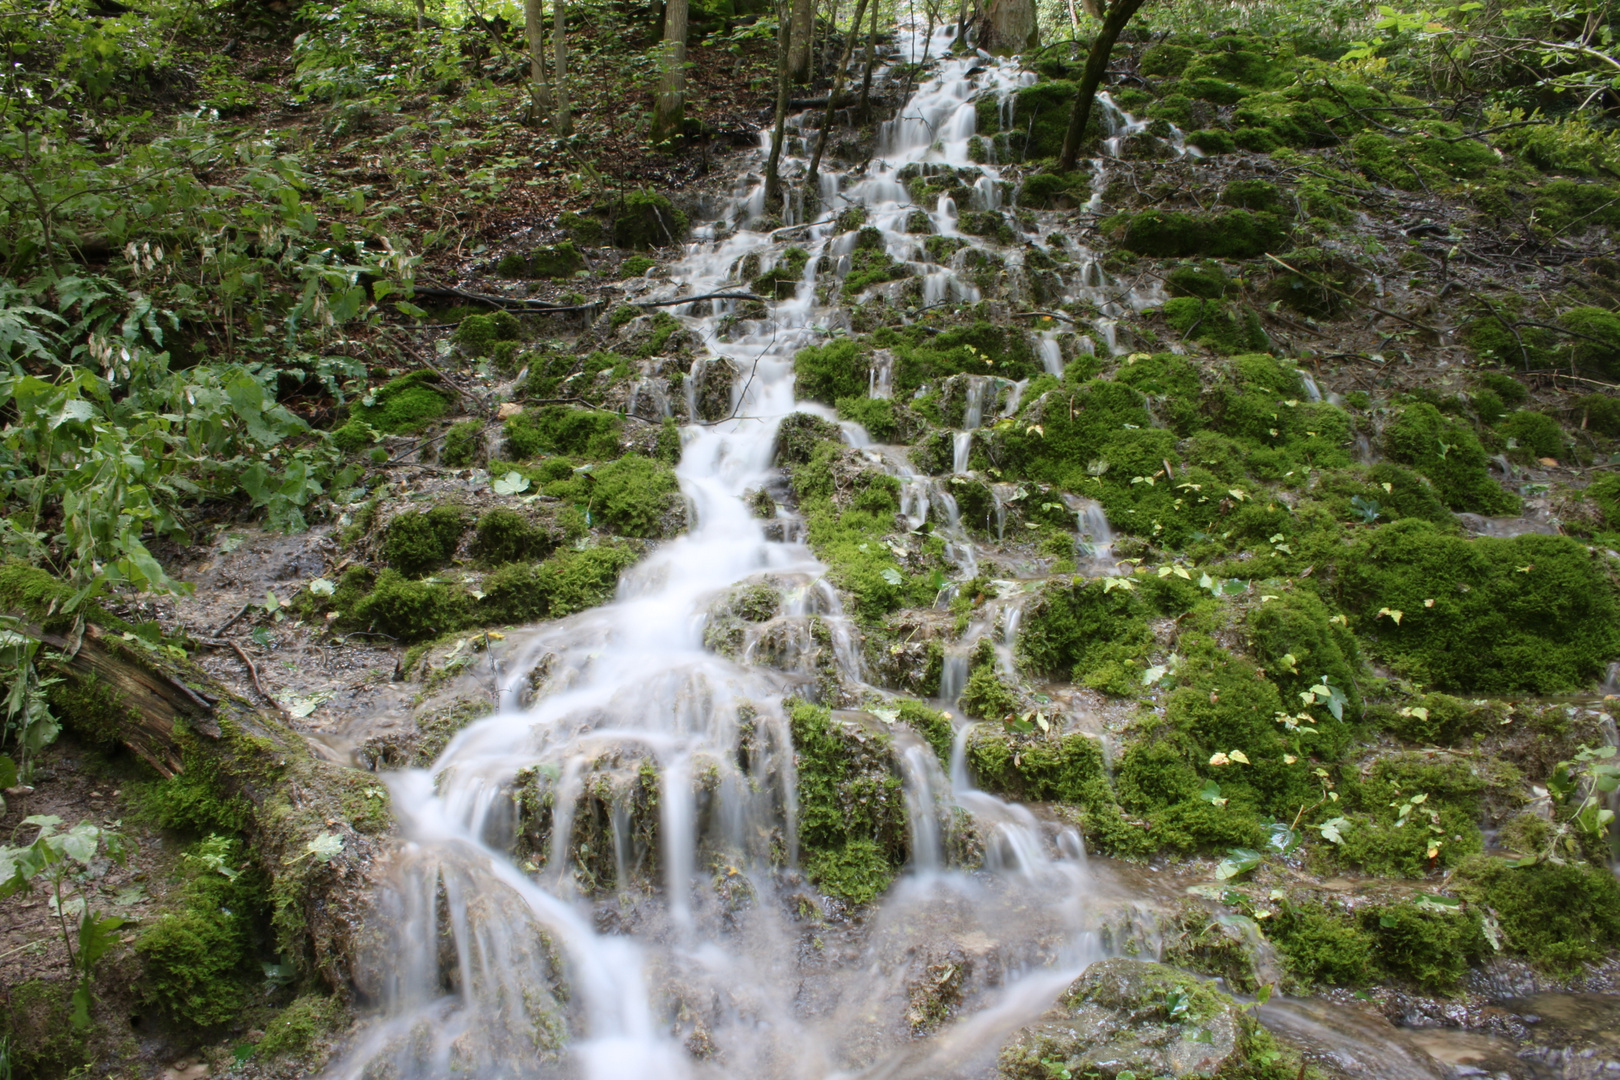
x,y
478,334
645,219
406,405
1493,615
415,542
506,536
557,261
798,435
1449,453
852,828
1223,327
1147,1019
1559,916
561,429
1229,234
1037,767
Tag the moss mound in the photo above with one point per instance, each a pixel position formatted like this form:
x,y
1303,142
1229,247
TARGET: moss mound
x,y
406,405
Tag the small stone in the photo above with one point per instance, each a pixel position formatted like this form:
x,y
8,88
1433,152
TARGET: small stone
x,y
508,410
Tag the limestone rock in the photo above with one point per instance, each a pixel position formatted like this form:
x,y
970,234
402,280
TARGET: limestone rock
x,y
1131,1015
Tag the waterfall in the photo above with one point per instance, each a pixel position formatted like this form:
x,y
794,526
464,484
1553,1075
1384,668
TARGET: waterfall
x,y
623,746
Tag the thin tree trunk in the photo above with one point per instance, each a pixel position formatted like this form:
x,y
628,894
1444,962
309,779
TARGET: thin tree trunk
x,y
421,15
802,36
832,98
871,60
534,28
670,109
559,39
1119,13
784,42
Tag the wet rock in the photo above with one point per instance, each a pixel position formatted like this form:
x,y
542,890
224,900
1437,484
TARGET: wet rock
x,y
1131,1015
712,383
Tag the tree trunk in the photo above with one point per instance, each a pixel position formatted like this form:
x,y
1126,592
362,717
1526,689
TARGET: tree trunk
x,y
421,15
871,60
1119,13
801,40
184,724
670,109
534,28
559,39
832,98
1012,27
784,42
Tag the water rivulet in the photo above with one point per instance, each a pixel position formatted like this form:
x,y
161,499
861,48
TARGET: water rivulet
x,y
603,878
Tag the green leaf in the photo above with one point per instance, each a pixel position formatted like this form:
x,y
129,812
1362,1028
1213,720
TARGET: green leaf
x,y
324,847
322,587
8,772
511,484
1238,861
892,576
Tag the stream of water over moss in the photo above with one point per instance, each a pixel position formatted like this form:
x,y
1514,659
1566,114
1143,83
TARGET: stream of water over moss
x,y
632,747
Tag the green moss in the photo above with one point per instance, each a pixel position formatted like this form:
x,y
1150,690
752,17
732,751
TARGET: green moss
x,y
201,958
636,266
1599,413
295,1029
507,536
583,230
798,435
1391,835
645,219
851,816
1321,946
851,218
870,264
1528,613
412,610
1432,950
1450,455
354,436
415,543
562,429
558,261
1259,195
828,372
1537,433
194,801
1296,642
37,1030
1597,350
1232,234
986,696
783,280
463,444
406,405
1559,916
568,582
1165,61
876,415
633,496
1054,190
1205,280
1036,767
1605,493
933,725
479,333
1434,719
1223,327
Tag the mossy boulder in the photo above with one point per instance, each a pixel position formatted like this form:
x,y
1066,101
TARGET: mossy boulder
x,y
463,444
506,536
1449,453
1036,767
1559,915
556,261
1229,234
1147,1019
645,219
1538,614
1225,328
561,429
415,543
478,334
825,373
852,822
1597,348
406,405
799,433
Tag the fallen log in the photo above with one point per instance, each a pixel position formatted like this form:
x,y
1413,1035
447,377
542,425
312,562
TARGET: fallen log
x,y
118,689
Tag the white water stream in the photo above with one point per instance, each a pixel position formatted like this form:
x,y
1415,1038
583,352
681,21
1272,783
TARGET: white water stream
x,y
500,960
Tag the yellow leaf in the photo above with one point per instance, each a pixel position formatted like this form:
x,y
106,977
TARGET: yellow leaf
x,y
1239,756
1390,488
1220,759
1289,759
1428,603
1392,613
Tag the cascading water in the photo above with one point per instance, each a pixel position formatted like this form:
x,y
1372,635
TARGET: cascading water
x,y
624,749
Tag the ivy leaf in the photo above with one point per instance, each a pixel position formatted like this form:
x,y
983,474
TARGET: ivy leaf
x,y
1238,861
1332,829
322,587
1392,613
892,576
1212,793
